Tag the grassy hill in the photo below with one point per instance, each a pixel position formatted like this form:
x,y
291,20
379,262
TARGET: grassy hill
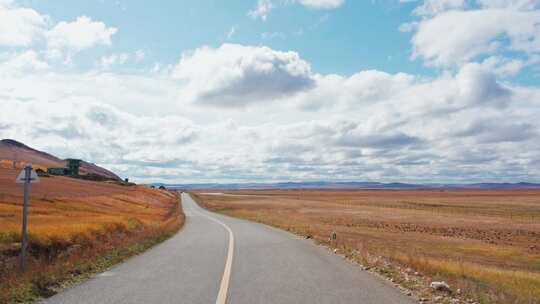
x,y
76,227
12,150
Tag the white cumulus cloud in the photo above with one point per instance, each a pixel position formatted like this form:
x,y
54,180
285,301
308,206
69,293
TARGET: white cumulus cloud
x,y
457,37
433,7
263,7
20,26
114,59
261,10
24,62
513,4
322,4
78,35
235,75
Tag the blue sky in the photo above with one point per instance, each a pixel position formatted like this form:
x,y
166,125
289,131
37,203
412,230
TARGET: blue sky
x,y
360,35
278,90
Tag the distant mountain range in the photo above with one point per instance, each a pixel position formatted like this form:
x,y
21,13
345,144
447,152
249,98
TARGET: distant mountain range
x,y
13,150
348,185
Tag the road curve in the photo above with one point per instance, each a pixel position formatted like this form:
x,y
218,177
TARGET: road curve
x,y
219,259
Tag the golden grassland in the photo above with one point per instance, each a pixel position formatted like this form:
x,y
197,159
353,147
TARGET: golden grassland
x,y
484,242
75,228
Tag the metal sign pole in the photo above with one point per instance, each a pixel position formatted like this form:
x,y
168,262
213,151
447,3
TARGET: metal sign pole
x,y
27,171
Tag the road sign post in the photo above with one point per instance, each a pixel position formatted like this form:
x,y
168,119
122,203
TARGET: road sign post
x,y
25,216
27,176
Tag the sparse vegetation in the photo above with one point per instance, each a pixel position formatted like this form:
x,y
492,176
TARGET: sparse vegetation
x,y
486,243
77,228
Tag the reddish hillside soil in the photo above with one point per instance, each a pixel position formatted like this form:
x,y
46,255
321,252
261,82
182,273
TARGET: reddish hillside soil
x,y
12,150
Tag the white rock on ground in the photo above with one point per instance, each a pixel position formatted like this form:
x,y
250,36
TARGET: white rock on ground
x,y
440,286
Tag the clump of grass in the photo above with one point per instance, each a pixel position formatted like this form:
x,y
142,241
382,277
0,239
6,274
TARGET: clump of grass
x,y
9,236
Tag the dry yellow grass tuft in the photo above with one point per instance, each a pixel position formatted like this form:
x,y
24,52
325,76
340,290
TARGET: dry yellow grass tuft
x,y
484,242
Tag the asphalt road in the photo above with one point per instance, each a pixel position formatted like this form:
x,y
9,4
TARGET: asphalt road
x,y
218,259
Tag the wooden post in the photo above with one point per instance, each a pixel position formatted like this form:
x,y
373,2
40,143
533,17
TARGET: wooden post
x,y
27,171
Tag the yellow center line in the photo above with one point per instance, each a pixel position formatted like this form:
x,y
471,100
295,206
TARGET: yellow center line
x,y
224,286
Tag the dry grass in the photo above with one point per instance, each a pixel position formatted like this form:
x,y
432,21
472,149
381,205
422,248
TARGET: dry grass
x,y
76,227
486,243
